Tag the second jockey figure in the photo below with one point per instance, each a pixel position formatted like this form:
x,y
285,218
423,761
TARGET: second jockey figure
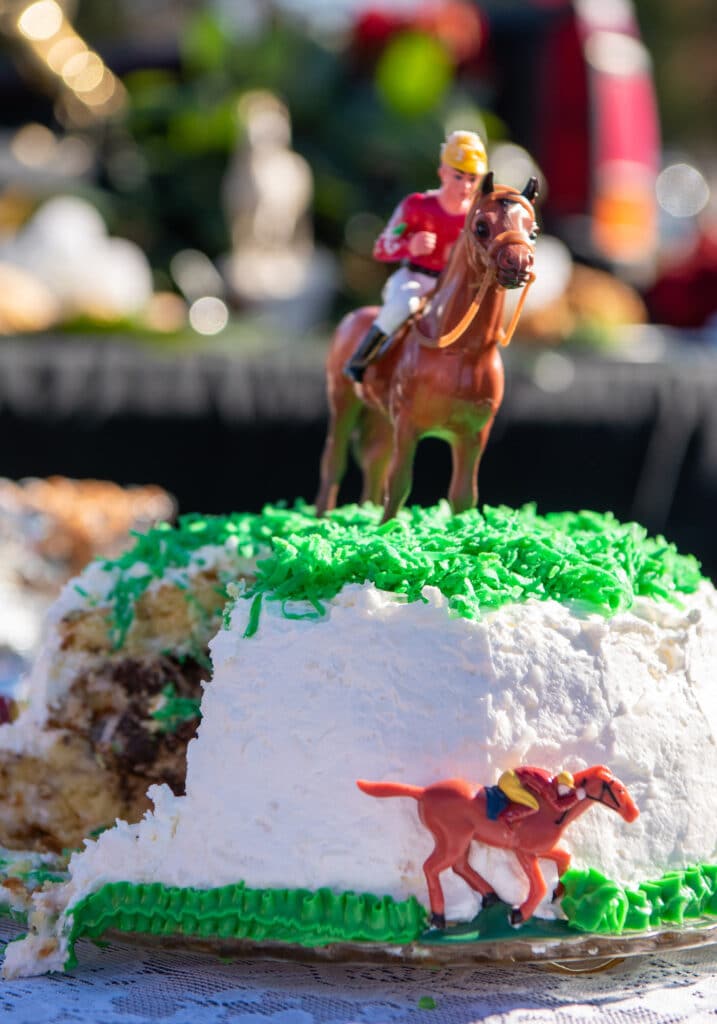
x,y
420,235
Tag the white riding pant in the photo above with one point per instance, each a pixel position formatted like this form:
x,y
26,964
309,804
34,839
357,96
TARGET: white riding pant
x,y
402,296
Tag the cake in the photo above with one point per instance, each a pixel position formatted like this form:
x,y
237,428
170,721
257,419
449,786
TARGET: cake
x,y
113,697
430,648
49,530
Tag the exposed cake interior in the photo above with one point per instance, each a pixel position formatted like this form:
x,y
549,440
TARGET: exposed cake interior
x,y
427,648
49,530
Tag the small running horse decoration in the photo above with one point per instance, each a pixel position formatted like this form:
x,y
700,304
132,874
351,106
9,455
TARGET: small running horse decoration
x,y
456,812
443,374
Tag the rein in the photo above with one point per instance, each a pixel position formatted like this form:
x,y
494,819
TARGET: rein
x,y
508,336
466,320
505,238
606,789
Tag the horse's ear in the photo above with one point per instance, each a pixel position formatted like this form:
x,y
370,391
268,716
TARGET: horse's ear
x,y
531,190
487,185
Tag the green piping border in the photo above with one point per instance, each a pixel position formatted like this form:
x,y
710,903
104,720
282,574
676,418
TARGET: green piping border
x,y
301,916
592,904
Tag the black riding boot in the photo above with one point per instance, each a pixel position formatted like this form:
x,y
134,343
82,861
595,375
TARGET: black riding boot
x,y
365,354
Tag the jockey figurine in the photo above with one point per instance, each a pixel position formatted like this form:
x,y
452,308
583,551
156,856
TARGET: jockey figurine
x,y
420,235
514,798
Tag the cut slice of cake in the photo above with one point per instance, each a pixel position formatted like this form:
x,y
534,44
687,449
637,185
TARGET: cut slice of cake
x,y
430,648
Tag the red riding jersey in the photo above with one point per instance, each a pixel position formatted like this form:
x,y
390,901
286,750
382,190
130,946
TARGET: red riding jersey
x,y
542,784
421,211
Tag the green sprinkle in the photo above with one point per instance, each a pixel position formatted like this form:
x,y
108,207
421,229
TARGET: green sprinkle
x,y
173,711
427,1003
254,613
478,560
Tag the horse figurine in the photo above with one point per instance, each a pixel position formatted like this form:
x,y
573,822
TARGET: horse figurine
x,y
443,374
456,812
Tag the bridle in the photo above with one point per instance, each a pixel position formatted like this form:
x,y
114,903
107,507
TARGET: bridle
x,y
487,257
606,788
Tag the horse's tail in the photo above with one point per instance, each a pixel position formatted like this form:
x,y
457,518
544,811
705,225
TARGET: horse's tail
x,y
383,789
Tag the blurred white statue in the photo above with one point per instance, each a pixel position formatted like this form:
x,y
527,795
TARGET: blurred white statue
x,y
267,193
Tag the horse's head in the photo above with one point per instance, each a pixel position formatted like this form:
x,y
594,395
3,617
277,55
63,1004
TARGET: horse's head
x,y
599,784
501,231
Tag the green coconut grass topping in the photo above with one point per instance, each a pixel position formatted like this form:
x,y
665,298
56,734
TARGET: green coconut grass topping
x,y
165,547
592,903
478,560
300,916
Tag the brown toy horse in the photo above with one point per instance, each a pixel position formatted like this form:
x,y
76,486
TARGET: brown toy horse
x,y
443,375
455,812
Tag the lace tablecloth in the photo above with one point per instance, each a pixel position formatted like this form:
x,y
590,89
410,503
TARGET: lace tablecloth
x,y
122,984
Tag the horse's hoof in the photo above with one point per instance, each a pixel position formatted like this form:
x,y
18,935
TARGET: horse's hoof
x,y
438,921
515,917
489,900
558,892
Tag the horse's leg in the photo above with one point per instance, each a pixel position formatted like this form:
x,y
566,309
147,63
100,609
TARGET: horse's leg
x,y
463,489
374,452
344,405
467,452
537,891
343,415
438,861
463,869
400,470
561,858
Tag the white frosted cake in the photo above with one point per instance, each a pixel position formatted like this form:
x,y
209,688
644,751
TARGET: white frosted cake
x,y
432,648
113,697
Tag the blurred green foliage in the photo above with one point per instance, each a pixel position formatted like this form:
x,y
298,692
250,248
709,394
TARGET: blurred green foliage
x,y
413,74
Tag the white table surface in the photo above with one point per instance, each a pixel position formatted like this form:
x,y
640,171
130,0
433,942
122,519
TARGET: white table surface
x,y
122,983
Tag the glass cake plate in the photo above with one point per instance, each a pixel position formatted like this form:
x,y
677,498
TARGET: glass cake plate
x,y
550,944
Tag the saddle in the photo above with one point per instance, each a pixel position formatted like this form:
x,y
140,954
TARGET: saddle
x,y
414,320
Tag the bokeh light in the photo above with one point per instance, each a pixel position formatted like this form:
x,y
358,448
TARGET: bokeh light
x,y
681,190
33,145
513,165
62,50
195,275
615,53
208,315
41,20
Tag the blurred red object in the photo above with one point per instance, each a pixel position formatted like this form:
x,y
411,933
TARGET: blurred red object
x,y
459,26
8,710
685,293
598,139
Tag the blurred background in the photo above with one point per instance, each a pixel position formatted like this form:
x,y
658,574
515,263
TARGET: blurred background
x,y
189,195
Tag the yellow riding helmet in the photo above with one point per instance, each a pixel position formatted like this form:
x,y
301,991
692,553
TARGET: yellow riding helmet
x,y
565,779
465,151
